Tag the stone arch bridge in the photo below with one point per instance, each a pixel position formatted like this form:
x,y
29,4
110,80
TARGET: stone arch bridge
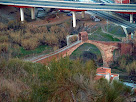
x,y
106,49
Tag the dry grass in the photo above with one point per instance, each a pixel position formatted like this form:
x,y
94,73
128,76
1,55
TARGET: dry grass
x,y
12,89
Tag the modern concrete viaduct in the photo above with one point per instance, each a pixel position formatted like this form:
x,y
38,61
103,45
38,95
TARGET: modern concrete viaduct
x,y
70,5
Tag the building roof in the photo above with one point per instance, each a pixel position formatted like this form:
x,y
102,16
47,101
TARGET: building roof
x,y
103,70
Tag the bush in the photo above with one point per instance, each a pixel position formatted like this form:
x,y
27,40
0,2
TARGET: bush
x,y
43,29
32,29
40,37
51,39
3,27
15,50
16,37
131,68
3,38
27,35
73,39
4,47
15,25
30,44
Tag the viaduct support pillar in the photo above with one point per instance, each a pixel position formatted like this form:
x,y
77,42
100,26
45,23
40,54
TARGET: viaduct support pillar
x,y
32,13
22,14
131,18
83,14
74,18
126,32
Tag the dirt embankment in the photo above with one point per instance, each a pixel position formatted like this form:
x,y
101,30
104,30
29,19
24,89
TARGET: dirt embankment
x,y
8,13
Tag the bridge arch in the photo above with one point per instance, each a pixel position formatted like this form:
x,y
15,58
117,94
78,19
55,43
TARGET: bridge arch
x,y
88,51
78,45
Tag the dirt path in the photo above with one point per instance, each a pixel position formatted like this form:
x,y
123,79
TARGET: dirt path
x,y
62,17
50,20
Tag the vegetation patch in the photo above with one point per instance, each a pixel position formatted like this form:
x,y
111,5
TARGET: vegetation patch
x,y
22,39
62,80
41,49
125,66
101,36
116,30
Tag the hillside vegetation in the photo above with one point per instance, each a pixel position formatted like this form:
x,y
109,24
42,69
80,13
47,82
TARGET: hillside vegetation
x,y
126,64
17,38
59,81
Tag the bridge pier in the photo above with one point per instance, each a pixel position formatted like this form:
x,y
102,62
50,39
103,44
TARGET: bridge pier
x,y
126,32
74,18
131,18
33,13
22,14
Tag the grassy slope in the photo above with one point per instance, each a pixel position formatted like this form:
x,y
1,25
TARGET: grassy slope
x,y
41,49
99,35
116,30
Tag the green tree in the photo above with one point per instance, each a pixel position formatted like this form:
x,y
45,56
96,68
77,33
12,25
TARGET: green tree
x,y
112,92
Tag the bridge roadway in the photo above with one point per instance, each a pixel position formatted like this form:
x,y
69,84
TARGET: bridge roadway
x,y
41,57
114,19
72,5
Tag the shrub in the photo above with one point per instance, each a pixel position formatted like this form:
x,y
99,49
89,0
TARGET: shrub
x,y
55,48
40,37
27,35
16,37
4,47
3,38
15,50
32,29
122,63
43,29
5,94
15,25
55,29
62,34
51,39
73,39
29,44
3,27
35,30
131,68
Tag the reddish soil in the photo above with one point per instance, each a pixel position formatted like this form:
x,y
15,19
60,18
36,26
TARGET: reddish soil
x,y
51,20
62,17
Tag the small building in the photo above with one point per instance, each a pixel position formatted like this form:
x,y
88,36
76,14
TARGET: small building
x,y
104,72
